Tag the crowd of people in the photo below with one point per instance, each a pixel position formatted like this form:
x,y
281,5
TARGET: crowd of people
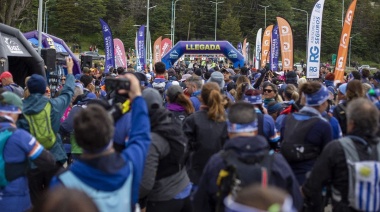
x,y
190,139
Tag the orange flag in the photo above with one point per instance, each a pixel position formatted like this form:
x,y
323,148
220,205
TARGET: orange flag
x,y
265,49
286,43
340,65
157,50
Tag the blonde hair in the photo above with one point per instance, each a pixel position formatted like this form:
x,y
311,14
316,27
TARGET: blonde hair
x,y
291,92
214,100
242,83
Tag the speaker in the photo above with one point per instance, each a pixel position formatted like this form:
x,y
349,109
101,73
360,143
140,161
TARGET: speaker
x,y
49,56
86,61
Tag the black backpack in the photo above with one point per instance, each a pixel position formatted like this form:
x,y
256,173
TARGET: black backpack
x,y
240,172
293,146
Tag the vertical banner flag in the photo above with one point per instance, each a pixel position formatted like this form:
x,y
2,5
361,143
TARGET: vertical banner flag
x,y
244,49
166,45
314,41
137,53
286,40
275,44
141,46
340,65
266,46
157,50
120,57
239,48
108,46
247,52
258,48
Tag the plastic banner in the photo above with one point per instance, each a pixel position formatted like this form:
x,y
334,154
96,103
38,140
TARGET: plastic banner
x,y
265,49
340,65
314,44
286,40
108,46
120,57
258,48
275,44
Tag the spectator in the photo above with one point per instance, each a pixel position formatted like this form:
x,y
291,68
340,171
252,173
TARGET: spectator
x,y
244,143
306,133
197,128
19,147
8,84
42,121
333,167
109,178
165,184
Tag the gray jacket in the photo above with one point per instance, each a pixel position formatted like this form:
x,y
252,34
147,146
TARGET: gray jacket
x,y
165,188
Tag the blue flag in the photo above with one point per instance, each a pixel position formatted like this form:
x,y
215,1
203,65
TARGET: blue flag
x,y
108,46
141,46
275,44
240,47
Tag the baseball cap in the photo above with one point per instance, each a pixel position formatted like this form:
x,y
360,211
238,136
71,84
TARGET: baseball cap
x,y
228,70
218,78
153,99
343,88
5,75
184,77
10,103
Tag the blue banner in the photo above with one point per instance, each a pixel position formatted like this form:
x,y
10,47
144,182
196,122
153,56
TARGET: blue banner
x,y
275,49
108,46
141,46
239,48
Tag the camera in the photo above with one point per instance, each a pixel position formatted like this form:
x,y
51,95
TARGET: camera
x,y
115,84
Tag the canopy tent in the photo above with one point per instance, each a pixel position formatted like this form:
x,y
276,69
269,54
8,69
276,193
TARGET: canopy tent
x,y
50,41
20,57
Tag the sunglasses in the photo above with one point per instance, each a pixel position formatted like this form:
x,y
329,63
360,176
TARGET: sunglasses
x,y
63,79
267,90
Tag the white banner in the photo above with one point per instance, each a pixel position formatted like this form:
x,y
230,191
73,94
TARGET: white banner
x,y
314,41
258,48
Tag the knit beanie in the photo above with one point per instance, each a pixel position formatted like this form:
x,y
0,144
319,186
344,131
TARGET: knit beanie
x,y
36,84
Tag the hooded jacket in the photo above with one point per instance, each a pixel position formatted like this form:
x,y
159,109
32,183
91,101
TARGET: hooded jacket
x,y
205,198
36,102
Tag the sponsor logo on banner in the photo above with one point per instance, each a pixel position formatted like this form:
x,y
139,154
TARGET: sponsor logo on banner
x,y
285,30
314,40
349,17
174,55
232,54
286,46
12,46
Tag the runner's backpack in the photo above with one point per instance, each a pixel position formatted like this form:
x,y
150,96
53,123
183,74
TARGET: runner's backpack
x,y
293,146
240,172
17,168
40,126
363,176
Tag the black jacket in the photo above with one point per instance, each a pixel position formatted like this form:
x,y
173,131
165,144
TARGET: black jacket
x,y
281,175
331,169
206,137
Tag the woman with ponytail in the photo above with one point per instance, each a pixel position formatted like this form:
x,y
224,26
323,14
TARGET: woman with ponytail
x,y
178,103
206,130
242,84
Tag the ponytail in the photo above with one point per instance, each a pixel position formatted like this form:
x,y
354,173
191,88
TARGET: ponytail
x,y
185,102
215,102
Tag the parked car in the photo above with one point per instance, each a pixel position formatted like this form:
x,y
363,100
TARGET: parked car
x,y
94,55
365,67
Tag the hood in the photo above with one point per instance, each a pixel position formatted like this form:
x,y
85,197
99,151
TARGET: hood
x,y
175,107
246,146
34,103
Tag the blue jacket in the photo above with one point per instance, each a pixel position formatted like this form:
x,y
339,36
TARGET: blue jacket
x,y
20,147
36,102
109,173
205,198
320,135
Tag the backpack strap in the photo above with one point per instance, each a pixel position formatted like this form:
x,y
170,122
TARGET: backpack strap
x,y
260,122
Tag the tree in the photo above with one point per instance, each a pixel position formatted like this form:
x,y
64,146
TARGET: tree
x,y
230,30
11,10
126,31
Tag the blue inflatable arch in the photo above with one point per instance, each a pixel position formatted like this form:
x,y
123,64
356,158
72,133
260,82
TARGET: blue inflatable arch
x,y
203,47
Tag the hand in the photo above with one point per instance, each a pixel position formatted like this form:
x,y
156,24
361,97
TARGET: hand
x,y
134,89
70,65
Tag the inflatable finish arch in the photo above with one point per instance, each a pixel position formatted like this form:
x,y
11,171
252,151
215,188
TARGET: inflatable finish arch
x,y
50,41
203,47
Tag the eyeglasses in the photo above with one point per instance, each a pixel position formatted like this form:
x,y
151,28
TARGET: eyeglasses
x,y
267,90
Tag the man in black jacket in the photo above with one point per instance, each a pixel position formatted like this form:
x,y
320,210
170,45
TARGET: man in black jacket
x,y
331,167
246,144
